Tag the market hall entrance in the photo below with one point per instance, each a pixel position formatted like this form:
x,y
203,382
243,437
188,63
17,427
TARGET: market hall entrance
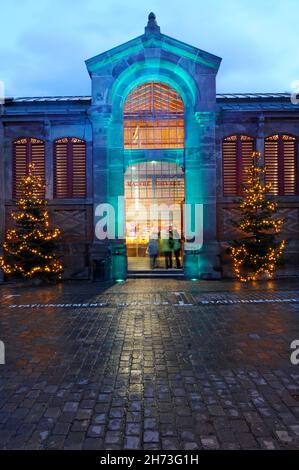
x,y
154,200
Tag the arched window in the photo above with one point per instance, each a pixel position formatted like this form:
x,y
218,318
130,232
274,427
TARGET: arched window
x,y
69,168
26,151
153,117
280,162
236,156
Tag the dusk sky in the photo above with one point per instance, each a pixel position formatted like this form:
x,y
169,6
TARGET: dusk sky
x,y
43,44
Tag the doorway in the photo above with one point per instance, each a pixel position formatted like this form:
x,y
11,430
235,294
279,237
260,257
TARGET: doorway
x,y
154,199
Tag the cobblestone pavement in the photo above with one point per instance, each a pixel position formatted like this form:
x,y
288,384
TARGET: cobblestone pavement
x,y
149,364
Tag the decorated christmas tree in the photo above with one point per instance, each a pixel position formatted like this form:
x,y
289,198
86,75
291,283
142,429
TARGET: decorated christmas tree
x,y
29,247
258,253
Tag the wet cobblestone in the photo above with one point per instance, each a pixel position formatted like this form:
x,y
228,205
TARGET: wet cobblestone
x,y
157,365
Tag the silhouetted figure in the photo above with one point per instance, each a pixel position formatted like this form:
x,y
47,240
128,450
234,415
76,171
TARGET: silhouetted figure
x,y
166,248
177,248
153,249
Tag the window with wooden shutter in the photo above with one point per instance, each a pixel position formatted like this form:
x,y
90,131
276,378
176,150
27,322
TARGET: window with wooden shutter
x,y
69,168
236,157
280,161
26,151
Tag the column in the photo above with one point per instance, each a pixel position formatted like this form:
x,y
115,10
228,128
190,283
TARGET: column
x,y
200,162
260,135
116,196
48,160
100,121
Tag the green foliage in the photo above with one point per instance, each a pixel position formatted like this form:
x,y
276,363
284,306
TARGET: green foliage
x,y
258,252
29,247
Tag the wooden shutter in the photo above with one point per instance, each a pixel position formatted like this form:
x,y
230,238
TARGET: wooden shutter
x,y
246,145
289,159
236,157
79,168
26,151
271,163
61,168
229,161
70,168
280,162
20,165
37,158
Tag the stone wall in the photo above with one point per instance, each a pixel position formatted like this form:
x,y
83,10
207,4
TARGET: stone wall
x,y
258,123
102,130
49,121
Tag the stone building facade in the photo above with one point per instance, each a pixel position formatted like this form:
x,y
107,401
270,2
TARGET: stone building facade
x,y
213,124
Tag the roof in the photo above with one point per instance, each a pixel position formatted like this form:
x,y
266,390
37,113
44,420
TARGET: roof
x,y
41,99
251,96
219,97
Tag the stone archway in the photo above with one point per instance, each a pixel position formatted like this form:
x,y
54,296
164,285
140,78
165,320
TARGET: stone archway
x,y
191,72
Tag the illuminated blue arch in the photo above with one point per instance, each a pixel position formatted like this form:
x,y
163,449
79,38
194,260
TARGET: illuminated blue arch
x,y
153,70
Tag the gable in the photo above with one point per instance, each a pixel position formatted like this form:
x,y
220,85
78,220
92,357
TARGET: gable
x,y
154,41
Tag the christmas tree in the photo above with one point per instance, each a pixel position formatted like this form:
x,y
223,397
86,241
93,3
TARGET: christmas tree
x,y
259,252
28,249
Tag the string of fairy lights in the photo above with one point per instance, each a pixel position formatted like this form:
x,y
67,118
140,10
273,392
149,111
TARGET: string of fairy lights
x,y
259,254
28,247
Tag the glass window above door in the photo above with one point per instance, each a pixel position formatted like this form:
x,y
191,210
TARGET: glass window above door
x,y
153,117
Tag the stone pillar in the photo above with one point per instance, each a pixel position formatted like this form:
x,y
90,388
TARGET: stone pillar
x,y
108,175
49,160
260,138
2,193
115,193
100,120
200,161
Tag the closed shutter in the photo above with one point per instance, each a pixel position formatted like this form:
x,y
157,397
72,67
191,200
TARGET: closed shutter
x,y
20,165
26,151
247,149
37,158
236,158
61,168
271,163
79,168
229,159
289,157
70,168
280,162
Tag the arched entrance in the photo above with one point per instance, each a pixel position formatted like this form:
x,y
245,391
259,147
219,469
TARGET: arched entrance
x,y
171,117
153,183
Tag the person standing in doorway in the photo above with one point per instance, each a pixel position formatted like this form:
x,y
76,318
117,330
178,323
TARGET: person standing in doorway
x,y
153,249
166,247
177,248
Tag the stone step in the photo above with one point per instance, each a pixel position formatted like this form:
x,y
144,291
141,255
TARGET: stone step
x,y
156,273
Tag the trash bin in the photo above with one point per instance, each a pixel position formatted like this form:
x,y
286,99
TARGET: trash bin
x,y
119,262
100,269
